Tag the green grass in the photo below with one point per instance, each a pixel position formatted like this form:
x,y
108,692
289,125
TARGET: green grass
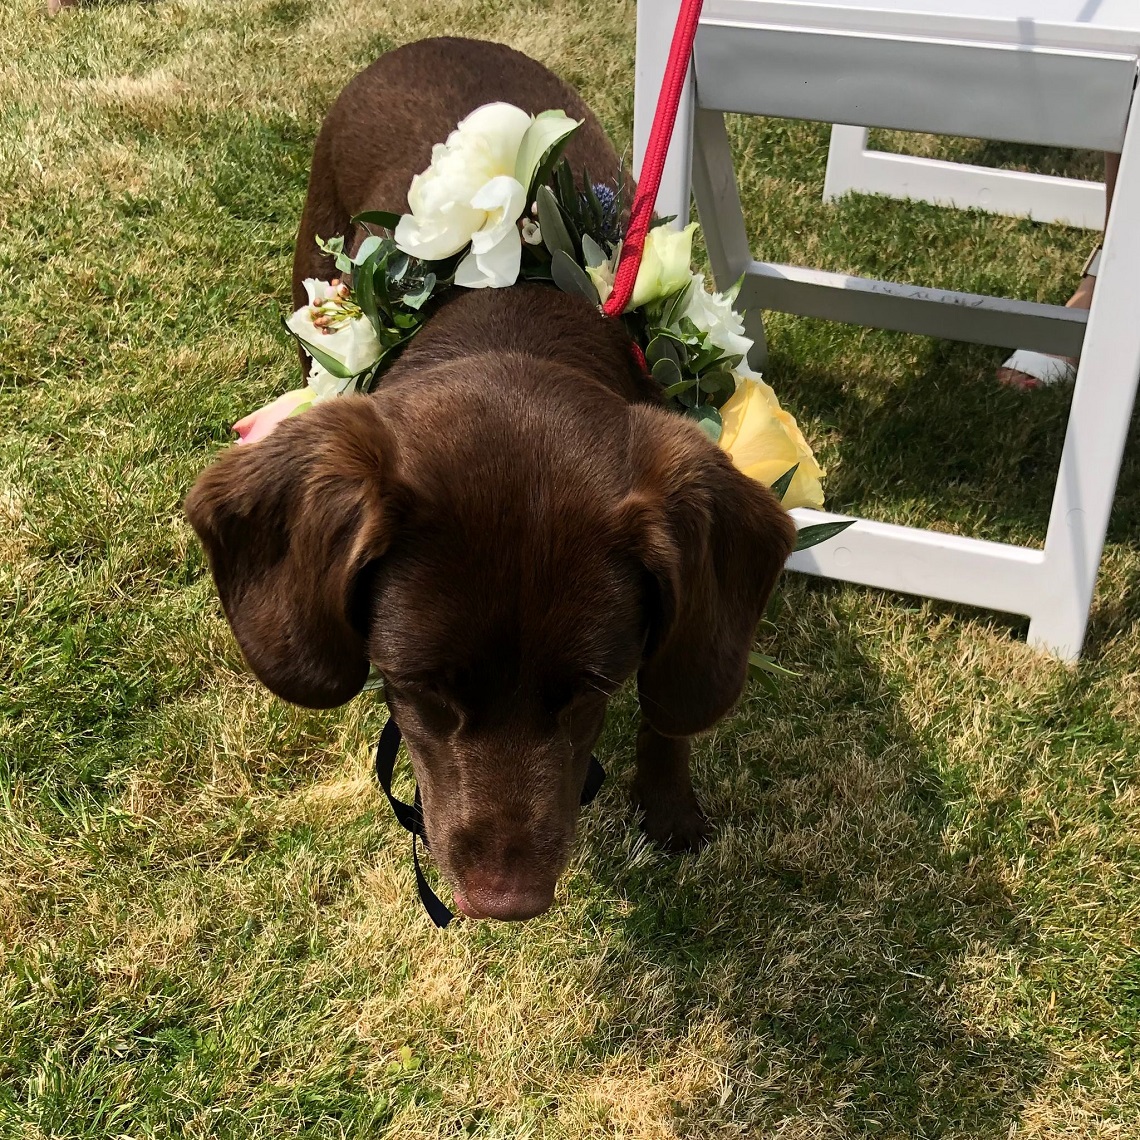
x,y
919,915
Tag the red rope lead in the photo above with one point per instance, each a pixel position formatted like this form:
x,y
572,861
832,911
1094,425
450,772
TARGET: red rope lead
x,y
664,118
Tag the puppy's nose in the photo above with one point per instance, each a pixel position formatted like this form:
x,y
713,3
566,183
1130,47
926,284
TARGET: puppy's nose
x,y
509,900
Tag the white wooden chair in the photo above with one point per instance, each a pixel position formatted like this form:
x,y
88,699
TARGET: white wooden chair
x,y
1052,72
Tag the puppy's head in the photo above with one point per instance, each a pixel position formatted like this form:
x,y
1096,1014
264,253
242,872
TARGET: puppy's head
x,y
507,554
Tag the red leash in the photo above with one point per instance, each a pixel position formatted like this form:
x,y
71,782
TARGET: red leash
x,y
664,119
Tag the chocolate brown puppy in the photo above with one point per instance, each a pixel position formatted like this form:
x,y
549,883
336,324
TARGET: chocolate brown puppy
x,y
508,528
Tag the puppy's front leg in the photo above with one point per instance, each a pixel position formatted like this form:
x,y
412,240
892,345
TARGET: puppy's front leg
x,y
663,790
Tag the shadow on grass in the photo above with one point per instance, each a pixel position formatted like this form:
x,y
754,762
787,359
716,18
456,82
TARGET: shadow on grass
x,y
818,955
947,447
947,440
1058,162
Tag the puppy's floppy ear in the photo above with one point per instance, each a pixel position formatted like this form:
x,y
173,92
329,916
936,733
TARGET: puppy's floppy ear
x,y
289,523
713,542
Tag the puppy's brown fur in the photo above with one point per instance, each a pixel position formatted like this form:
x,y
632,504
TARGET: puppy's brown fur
x,y
508,528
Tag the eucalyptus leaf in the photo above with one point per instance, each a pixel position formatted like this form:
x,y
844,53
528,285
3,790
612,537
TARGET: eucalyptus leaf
x,y
593,253
689,329
765,680
708,420
663,347
781,485
717,381
332,246
809,536
570,277
666,372
384,218
367,248
676,305
555,235
418,299
705,358
678,388
445,268
536,272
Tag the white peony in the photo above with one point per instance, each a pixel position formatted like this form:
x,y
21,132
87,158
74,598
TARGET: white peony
x,y
345,333
714,315
666,264
470,194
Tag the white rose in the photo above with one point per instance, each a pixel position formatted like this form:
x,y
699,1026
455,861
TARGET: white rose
x,y
666,264
714,315
350,340
470,194
602,275
664,268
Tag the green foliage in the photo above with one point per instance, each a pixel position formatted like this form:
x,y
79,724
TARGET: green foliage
x,y
916,918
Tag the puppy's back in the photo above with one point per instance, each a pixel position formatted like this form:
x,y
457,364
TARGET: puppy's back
x,y
381,130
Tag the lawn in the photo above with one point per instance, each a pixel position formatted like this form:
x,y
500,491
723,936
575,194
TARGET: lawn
x,y
918,917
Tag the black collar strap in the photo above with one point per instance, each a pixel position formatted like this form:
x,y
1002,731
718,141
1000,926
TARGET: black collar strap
x,y
411,816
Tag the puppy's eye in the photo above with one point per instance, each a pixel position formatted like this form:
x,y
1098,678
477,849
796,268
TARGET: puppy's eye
x,y
427,703
581,691
434,708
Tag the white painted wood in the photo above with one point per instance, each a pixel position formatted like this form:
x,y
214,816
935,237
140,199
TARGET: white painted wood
x,y
656,20
924,562
917,309
1063,75
718,198
853,168
1098,424
1043,96
1086,25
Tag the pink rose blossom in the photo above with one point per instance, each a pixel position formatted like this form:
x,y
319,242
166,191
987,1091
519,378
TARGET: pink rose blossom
x,y
257,425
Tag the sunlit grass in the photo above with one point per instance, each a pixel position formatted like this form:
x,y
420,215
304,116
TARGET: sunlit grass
x,y
918,916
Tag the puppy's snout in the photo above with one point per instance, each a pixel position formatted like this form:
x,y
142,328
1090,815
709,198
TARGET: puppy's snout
x,y
506,873
507,897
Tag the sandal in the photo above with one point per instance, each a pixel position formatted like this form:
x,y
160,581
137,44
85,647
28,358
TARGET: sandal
x,y
1039,369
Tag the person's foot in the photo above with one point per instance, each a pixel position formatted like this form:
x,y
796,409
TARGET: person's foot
x,y
1026,370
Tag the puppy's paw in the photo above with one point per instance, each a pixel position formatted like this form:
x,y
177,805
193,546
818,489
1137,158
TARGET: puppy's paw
x,y
672,819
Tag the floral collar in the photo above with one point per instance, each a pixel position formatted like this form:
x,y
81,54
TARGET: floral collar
x,y
497,205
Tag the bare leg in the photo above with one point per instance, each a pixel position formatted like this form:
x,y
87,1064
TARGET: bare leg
x,y
1082,298
663,790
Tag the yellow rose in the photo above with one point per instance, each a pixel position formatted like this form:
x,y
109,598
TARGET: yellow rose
x,y
763,441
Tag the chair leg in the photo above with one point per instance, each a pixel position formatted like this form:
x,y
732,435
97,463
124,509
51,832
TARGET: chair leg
x,y
1098,424
845,159
722,218
656,20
